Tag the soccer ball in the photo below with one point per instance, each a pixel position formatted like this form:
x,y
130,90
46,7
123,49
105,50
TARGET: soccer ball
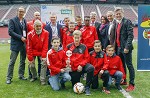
x,y
78,88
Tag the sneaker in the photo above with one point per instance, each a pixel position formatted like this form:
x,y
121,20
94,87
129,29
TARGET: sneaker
x,y
43,83
8,81
87,91
33,79
130,88
105,91
22,78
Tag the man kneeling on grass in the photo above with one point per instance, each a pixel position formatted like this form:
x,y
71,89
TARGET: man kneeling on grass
x,y
56,64
37,45
115,67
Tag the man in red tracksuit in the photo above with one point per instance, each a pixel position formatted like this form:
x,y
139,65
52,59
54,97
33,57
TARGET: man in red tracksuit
x,y
98,59
115,67
79,61
68,37
30,24
30,27
56,64
89,34
37,46
79,23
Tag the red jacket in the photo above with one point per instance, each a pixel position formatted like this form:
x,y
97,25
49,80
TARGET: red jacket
x,y
67,39
115,64
78,27
89,35
63,30
99,61
37,45
79,56
55,61
30,25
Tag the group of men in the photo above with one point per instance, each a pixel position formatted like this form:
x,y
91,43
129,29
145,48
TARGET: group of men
x,y
51,42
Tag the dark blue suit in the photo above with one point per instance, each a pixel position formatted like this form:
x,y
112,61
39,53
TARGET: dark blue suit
x,y
49,29
15,30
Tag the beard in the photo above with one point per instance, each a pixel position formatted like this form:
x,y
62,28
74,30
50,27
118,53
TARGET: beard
x,y
38,32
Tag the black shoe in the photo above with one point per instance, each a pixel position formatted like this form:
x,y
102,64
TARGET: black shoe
x,y
22,78
8,81
63,86
48,83
30,77
87,91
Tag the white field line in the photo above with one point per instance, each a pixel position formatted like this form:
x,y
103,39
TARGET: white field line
x,y
125,94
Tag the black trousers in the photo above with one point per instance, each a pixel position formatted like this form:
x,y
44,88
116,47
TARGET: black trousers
x,y
75,76
104,77
127,61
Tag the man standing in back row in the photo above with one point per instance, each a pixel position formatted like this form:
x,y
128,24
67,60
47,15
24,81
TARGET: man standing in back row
x,y
17,30
124,37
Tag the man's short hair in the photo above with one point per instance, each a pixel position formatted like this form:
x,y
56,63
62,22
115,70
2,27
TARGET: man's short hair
x,y
86,17
93,14
36,12
55,38
77,32
53,15
110,46
66,18
109,12
37,22
119,9
22,8
71,22
78,17
97,41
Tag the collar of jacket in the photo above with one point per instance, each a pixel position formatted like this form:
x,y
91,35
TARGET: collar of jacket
x,y
59,49
111,56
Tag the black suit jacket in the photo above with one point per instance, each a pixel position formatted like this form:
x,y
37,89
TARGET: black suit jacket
x,y
126,34
15,30
97,25
49,29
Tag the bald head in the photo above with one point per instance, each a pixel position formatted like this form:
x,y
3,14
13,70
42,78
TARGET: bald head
x,y
37,15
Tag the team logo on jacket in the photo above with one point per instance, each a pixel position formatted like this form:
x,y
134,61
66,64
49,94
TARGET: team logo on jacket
x,y
90,32
101,55
80,51
115,66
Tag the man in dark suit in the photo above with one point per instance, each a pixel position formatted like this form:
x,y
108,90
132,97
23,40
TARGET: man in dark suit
x,y
93,16
17,30
124,37
53,28
111,27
